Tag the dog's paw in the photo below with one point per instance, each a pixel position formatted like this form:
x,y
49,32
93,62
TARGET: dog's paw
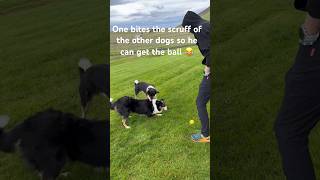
x,y
159,114
127,127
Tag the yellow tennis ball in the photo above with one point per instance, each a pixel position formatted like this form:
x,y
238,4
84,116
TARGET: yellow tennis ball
x,y
191,122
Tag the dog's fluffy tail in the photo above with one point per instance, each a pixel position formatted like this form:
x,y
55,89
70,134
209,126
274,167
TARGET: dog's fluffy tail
x,y
136,82
84,64
10,138
112,105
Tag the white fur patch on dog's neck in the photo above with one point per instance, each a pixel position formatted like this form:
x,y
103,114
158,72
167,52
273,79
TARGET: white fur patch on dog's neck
x,y
155,109
149,87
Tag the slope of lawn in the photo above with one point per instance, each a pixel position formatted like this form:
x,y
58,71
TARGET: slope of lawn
x,y
41,43
205,14
255,43
159,147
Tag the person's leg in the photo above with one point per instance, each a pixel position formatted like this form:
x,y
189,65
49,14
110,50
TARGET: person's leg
x,y
202,100
293,125
300,110
299,113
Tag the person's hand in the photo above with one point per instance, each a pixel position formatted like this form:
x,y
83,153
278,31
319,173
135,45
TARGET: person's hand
x,y
312,25
206,70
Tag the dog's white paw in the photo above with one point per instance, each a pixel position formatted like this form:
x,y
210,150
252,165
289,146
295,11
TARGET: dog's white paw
x,y
159,114
127,127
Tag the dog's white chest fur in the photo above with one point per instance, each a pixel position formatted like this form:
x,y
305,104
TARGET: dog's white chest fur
x,y
155,109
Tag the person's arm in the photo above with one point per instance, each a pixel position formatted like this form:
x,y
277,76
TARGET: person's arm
x,y
206,70
207,65
312,22
313,7
309,31
312,25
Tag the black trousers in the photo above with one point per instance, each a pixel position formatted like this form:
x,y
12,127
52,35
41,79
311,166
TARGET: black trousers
x,y
299,113
202,100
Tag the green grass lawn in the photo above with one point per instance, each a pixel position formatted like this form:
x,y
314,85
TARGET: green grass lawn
x,y
255,43
159,147
41,43
206,14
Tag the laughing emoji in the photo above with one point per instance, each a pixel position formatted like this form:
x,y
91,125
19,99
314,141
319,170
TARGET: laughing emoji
x,y
189,51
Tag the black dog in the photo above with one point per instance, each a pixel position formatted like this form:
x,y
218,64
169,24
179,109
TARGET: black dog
x,y
148,89
94,79
50,138
125,105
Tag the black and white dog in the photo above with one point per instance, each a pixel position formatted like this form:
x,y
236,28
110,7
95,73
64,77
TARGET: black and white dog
x,y
148,89
94,79
48,139
125,105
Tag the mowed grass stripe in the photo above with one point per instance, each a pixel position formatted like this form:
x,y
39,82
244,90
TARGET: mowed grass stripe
x,y
154,70
248,89
52,36
39,52
158,147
